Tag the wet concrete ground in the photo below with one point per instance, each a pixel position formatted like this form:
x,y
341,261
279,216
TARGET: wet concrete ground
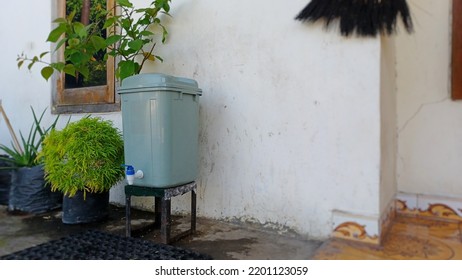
x,y
219,239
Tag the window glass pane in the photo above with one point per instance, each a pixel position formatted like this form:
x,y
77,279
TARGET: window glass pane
x,y
89,11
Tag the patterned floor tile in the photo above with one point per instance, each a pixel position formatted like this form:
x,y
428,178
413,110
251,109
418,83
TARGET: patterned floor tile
x,y
410,238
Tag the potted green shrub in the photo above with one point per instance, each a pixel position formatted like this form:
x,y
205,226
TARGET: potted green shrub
x,y
130,38
28,190
83,161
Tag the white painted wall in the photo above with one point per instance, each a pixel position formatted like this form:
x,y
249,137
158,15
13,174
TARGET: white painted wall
x,y
429,122
21,89
290,116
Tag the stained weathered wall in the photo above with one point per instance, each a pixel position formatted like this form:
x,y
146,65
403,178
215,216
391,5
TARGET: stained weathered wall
x,y
290,113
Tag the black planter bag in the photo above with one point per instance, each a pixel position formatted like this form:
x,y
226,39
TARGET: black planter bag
x,y
80,210
5,181
30,193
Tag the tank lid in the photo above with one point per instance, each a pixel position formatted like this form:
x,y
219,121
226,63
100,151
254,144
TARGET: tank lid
x,y
156,80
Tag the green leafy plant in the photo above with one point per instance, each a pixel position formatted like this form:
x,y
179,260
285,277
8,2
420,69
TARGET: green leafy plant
x,y
87,155
129,36
27,155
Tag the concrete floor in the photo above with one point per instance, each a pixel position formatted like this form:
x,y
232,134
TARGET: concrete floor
x,y
221,240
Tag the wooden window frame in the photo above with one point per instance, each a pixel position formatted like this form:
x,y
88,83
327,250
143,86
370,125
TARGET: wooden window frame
x,y
97,99
456,63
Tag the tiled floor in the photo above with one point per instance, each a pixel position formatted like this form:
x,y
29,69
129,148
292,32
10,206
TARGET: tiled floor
x,y
410,238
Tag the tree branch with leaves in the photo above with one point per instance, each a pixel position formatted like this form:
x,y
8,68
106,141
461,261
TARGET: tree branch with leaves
x,y
129,37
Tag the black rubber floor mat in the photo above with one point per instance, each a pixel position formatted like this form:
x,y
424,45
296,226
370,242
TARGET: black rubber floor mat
x,y
98,245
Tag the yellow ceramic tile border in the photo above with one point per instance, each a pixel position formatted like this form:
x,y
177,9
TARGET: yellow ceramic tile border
x,y
356,232
438,211
354,227
371,230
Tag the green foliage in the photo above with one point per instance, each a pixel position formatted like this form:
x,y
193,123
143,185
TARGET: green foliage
x,y
129,37
86,155
76,5
30,145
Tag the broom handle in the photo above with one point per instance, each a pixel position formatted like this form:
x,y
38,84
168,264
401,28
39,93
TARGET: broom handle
x,y
13,135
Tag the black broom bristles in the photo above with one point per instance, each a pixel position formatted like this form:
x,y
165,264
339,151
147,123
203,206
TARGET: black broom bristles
x,y
363,17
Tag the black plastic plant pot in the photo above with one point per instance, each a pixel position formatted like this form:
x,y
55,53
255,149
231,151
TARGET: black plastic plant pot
x,y
79,210
5,181
30,193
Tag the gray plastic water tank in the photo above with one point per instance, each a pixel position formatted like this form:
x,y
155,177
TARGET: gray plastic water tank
x,y
160,115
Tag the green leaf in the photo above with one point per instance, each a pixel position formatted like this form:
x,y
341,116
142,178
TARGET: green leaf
x,y
146,33
74,42
69,69
137,68
80,29
20,63
58,66
76,58
126,23
142,10
164,33
47,72
43,54
112,53
126,69
113,39
135,45
84,71
60,20
30,65
98,42
144,21
109,22
125,3
166,7
71,16
60,43
56,33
